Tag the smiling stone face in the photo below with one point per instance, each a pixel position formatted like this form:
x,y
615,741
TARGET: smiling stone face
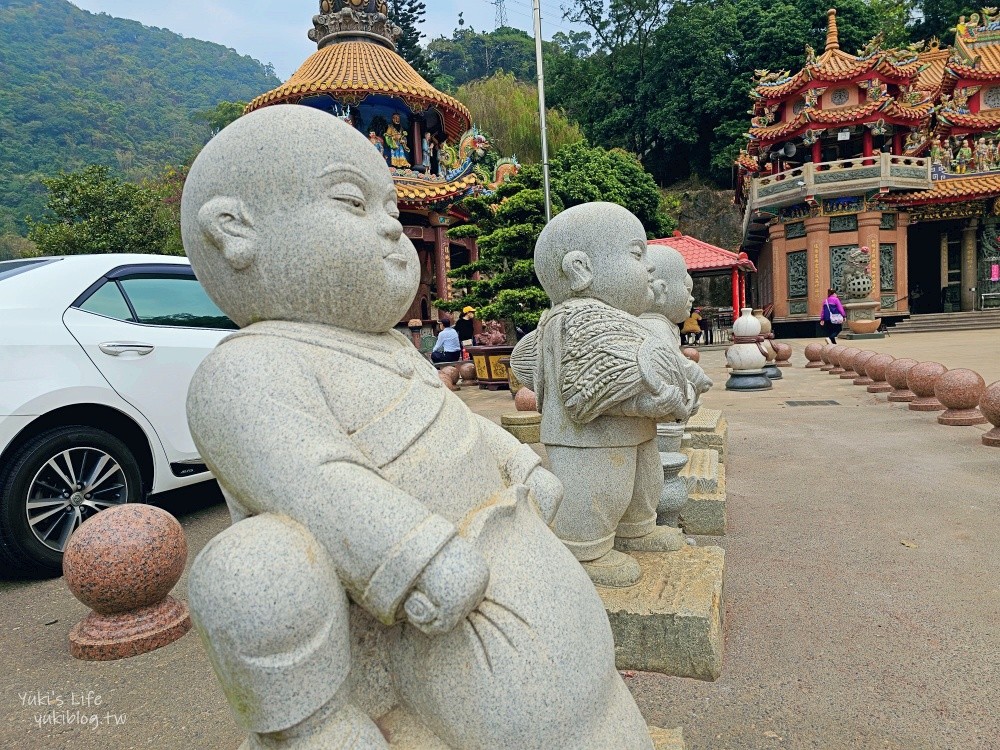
x,y
310,234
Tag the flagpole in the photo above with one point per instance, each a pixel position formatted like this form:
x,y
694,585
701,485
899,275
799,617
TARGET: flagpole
x,y
537,10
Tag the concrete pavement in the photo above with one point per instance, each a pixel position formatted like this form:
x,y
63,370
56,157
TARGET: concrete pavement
x,y
862,591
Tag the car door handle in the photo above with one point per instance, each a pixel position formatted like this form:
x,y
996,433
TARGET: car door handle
x,y
117,348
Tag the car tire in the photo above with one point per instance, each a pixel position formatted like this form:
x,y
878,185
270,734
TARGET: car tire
x,y
55,482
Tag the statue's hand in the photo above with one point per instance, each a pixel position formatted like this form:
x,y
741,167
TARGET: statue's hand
x,y
451,586
547,491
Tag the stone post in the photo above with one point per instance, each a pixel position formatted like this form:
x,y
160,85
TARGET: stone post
x,y
868,226
969,265
779,269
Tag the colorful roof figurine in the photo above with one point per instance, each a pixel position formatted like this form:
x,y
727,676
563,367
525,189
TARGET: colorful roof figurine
x,y
425,135
701,256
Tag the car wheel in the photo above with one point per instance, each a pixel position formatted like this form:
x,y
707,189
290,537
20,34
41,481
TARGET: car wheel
x,y
56,482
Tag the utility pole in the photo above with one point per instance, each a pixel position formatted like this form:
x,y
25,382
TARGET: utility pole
x,y
537,10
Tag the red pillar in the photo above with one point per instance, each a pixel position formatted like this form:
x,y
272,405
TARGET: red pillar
x,y
866,142
736,293
440,262
743,290
897,143
817,152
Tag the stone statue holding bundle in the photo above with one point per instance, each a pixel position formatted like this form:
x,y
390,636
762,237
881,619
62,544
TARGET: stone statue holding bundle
x,y
603,380
361,580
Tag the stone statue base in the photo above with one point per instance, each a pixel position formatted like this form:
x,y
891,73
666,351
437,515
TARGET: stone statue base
x,y
772,371
861,320
704,513
526,426
671,620
404,731
708,429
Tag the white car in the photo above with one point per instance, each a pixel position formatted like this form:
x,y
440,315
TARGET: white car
x,y
96,354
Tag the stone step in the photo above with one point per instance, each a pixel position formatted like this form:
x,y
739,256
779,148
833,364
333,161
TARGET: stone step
x,y
704,514
702,471
708,430
526,426
671,620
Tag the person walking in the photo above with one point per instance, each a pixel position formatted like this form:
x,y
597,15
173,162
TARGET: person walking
x,y
447,348
832,316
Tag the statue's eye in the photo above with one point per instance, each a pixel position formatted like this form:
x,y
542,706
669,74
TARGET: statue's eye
x,y
350,194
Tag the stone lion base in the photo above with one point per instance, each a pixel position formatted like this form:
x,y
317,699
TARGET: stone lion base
x,y
708,431
671,620
405,731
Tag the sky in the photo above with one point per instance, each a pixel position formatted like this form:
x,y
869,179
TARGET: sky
x,y
274,31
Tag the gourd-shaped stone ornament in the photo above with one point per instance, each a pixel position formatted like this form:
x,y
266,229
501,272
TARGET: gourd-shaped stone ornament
x,y
745,357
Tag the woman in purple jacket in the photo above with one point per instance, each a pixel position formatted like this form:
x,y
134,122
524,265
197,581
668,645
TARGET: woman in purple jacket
x,y
832,316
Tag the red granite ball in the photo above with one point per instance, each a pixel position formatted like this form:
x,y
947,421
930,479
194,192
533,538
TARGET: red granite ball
x,y
861,361
876,367
467,371
450,372
834,354
847,357
989,405
896,373
124,558
922,377
525,400
691,353
814,352
783,350
960,389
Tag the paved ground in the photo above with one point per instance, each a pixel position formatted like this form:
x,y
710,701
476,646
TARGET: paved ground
x,y
862,591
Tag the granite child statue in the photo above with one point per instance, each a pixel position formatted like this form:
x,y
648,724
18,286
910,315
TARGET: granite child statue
x,y
602,381
361,578
672,301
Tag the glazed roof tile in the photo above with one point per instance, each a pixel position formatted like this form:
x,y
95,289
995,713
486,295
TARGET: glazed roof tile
x,y
932,76
701,256
951,190
885,108
361,67
987,120
412,193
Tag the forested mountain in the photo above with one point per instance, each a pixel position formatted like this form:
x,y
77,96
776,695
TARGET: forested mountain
x,y
78,88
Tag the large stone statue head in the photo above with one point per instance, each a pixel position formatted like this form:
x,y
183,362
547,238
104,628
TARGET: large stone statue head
x,y
671,288
595,250
290,214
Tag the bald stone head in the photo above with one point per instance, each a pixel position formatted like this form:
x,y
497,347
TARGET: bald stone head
x,y
595,250
290,214
672,284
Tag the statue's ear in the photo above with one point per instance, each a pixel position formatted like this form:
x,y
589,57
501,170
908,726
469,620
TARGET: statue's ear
x,y
576,265
229,226
659,287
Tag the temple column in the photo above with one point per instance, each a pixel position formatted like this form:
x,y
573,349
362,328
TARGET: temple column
x,y
944,269
969,265
868,226
902,259
817,152
736,292
897,142
818,257
441,261
867,145
779,270
418,145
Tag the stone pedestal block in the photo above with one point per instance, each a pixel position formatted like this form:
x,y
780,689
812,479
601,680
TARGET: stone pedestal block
x,y
704,513
526,426
671,620
701,472
708,429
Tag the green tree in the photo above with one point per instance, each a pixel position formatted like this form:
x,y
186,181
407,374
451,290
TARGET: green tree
x,y
92,211
938,17
221,115
507,109
507,223
469,55
15,247
408,15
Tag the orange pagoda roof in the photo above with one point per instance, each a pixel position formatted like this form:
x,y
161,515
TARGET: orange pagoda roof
x,y
358,68
886,108
950,190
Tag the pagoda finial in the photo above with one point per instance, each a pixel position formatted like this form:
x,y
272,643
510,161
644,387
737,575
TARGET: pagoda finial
x,y
832,38
342,20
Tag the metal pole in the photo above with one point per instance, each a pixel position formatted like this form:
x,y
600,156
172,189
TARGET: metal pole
x,y
537,9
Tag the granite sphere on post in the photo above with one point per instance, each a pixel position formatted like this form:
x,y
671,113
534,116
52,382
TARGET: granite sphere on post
x,y
691,353
960,390
122,563
875,368
814,356
860,363
835,354
921,379
989,405
525,400
467,371
896,376
825,356
847,362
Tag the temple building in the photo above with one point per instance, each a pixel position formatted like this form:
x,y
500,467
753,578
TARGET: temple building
x,y
897,150
425,136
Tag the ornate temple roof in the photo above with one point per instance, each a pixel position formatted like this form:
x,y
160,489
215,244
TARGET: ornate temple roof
x,y
950,190
353,69
834,65
886,108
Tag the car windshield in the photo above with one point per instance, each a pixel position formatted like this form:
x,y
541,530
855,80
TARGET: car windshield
x,y
10,268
